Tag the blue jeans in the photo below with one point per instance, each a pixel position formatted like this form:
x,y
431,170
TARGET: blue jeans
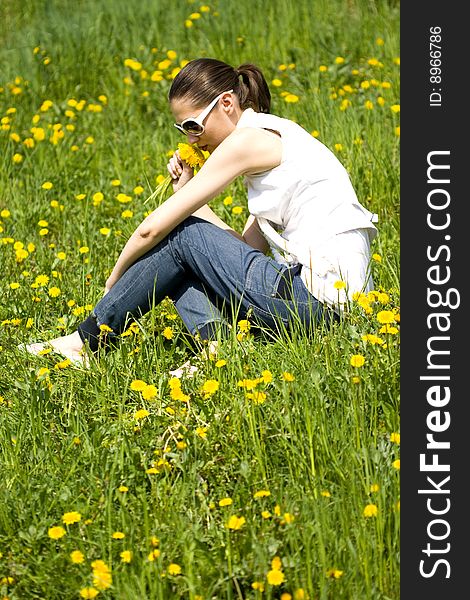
x,y
209,274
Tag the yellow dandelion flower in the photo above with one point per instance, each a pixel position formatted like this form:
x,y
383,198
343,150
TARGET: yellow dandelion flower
x,y
54,292
257,396
244,326
275,577
339,60
168,333
118,535
63,364
102,579
396,464
374,487
201,432
174,569
135,65
385,317
77,557
210,387
191,155
47,185
291,98
395,438
149,392
395,108
155,553
126,556
287,518
261,494
88,593
357,360
71,517
225,502
258,586
370,510
334,573
56,532
286,376
141,414
235,523
325,494
123,489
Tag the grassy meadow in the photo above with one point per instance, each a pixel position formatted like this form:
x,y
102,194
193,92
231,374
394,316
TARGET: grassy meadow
x,y
273,473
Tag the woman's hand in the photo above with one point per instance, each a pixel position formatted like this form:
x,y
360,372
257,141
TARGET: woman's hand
x,y
107,286
179,170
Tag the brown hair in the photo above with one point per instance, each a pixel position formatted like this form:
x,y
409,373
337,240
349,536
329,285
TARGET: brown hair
x,y
203,79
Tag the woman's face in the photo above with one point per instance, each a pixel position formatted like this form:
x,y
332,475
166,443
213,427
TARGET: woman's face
x,y
218,124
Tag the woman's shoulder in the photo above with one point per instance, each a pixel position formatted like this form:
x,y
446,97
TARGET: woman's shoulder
x,y
260,149
250,118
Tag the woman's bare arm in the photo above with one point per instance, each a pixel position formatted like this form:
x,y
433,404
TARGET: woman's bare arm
x,y
206,213
245,150
253,237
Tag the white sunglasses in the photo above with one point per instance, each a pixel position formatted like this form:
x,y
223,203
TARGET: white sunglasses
x,y
195,125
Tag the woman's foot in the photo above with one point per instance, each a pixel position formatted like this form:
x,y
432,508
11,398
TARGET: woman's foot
x,y
70,346
188,369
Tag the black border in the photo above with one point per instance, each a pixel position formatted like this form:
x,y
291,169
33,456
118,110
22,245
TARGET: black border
x,y
426,128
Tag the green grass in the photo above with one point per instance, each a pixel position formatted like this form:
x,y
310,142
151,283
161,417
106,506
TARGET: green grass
x,y
69,438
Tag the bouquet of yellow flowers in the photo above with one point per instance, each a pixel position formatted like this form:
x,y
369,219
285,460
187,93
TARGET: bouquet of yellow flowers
x,y
190,154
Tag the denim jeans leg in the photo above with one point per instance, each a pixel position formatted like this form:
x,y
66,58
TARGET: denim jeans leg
x,y
228,268
200,310
244,277
146,283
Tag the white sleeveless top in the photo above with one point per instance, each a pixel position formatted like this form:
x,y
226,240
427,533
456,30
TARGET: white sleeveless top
x,y
309,213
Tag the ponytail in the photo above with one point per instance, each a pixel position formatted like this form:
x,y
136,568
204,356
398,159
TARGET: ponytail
x,y
202,79
253,91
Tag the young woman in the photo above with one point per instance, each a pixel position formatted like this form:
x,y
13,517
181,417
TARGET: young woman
x,y
302,206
